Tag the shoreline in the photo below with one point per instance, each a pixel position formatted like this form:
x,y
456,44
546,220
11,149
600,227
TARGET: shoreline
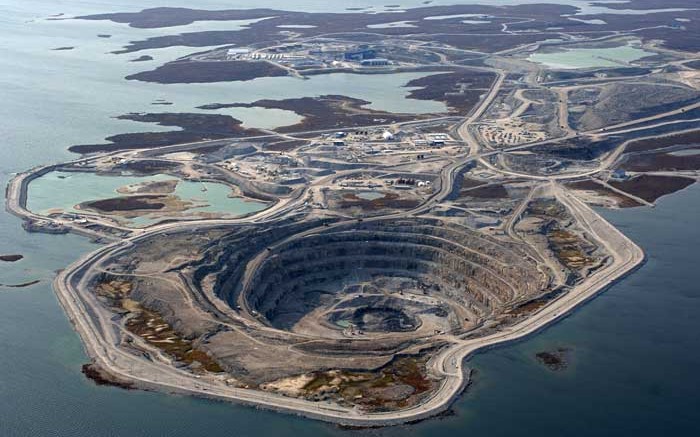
x,y
108,357
101,343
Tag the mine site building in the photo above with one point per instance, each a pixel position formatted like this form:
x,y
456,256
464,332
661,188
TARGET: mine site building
x,y
442,137
619,174
238,52
378,62
359,55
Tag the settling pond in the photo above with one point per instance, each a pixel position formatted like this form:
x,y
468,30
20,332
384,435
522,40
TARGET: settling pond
x,y
62,191
569,59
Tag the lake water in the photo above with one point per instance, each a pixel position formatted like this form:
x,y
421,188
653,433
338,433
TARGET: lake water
x,y
635,355
369,195
65,190
590,58
63,87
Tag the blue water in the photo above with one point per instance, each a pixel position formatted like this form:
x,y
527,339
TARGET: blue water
x,y
590,58
635,355
65,191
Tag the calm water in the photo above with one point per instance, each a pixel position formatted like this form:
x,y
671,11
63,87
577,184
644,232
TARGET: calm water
x,y
635,354
369,195
65,190
590,58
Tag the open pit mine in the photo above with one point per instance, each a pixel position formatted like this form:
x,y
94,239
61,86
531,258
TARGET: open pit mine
x,y
346,266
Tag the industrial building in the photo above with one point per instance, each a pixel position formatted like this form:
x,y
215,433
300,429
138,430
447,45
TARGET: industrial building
x,y
237,52
360,55
377,62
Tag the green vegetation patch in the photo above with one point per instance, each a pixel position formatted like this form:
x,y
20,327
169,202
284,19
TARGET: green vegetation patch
x,y
547,208
152,328
399,384
568,248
